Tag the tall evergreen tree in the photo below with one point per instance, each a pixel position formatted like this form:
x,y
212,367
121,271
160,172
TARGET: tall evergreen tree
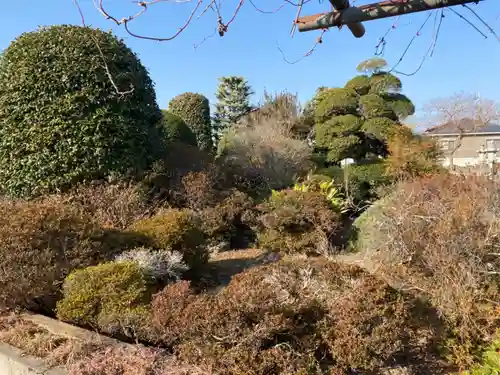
x,y
233,96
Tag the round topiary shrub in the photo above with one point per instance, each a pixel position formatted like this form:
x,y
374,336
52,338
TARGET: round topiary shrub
x,y
194,109
62,117
176,130
102,296
176,230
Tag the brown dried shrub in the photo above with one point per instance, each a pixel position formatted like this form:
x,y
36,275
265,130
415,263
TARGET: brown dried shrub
x,y
42,241
439,235
226,220
115,205
298,316
297,222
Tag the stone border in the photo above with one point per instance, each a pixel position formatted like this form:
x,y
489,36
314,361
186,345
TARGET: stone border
x,y
13,362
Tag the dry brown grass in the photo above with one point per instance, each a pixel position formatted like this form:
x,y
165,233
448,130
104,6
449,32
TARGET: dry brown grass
x,y
90,356
265,144
440,236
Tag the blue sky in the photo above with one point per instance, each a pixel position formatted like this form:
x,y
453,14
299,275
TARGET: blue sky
x,y
463,59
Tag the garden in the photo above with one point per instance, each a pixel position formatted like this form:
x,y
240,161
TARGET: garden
x,y
238,242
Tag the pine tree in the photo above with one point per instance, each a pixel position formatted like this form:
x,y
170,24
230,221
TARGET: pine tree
x,y
233,95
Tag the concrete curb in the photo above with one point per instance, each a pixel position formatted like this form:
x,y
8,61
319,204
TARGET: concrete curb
x,y
12,362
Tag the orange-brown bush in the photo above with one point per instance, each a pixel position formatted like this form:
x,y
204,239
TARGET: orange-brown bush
x,y
42,241
441,236
112,205
225,221
412,155
298,316
297,222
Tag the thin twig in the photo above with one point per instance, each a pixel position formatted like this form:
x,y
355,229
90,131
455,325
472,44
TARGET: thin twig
x,y
319,40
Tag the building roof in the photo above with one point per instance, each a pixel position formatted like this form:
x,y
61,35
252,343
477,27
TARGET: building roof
x,y
466,125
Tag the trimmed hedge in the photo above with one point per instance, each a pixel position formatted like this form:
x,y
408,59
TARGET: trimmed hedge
x,y
194,109
176,130
62,119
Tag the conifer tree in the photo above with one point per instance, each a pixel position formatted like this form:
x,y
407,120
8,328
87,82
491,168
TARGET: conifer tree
x,y
233,101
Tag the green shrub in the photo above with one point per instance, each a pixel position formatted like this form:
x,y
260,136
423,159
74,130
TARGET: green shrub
x,y
62,120
336,101
194,109
177,230
363,180
367,232
373,105
490,360
42,241
176,130
100,296
296,222
360,84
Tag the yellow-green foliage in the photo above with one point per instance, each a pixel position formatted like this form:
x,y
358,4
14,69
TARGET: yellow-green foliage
x,y
490,360
178,230
94,294
327,188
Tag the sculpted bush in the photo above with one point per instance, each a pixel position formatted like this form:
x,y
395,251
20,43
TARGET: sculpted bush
x,y
62,119
111,297
194,109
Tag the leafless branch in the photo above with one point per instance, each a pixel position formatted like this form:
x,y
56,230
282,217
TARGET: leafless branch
x,y
319,40
80,11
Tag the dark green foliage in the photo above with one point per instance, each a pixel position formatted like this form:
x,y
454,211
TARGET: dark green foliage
x,y
176,130
194,109
363,180
383,82
233,101
356,121
373,105
360,84
399,104
380,127
336,101
63,121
